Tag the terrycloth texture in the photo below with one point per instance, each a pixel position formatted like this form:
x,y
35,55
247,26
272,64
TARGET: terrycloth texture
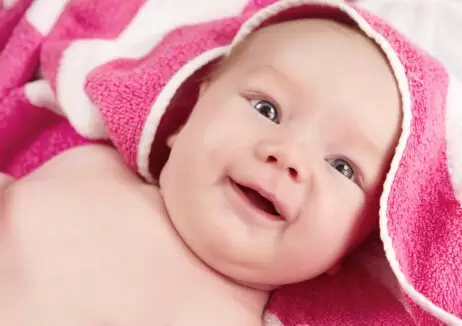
x,y
433,25
127,71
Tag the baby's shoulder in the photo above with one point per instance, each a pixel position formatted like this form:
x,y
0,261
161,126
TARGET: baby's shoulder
x,y
88,161
91,184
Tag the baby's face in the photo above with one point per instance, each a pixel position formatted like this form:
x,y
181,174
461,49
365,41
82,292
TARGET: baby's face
x,y
277,173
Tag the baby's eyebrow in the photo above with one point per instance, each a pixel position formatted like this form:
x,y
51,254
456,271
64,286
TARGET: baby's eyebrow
x,y
276,82
369,144
364,143
276,76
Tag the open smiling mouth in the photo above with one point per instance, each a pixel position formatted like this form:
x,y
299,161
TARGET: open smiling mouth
x,y
258,201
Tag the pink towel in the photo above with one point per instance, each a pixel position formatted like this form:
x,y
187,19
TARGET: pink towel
x,y
126,72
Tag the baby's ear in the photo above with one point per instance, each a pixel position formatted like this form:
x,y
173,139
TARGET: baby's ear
x,y
203,87
172,138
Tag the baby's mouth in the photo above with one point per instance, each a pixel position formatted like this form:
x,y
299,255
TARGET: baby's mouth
x,y
259,201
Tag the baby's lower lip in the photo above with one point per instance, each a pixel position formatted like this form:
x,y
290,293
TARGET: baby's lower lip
x,y
250,208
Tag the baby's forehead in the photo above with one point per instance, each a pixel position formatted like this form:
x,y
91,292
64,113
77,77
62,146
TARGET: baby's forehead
x,y
271,40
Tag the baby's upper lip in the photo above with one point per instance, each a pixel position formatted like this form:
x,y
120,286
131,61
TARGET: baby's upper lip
x,y
281,206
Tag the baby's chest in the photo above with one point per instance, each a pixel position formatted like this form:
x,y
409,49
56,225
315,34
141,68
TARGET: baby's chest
x,y
96,256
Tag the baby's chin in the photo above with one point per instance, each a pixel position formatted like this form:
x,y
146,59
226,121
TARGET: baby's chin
x,y
259,287
258,281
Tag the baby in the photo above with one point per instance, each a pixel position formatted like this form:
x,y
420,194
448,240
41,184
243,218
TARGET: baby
x,y
283,157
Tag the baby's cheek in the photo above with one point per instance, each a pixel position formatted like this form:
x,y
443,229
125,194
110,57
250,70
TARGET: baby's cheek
x,y
348,217
364,224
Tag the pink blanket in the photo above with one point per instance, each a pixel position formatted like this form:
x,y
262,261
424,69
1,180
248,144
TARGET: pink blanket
x,y
125,72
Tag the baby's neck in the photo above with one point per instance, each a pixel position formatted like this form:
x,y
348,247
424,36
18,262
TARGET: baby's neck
x,y
238,298
243,302
248,298
252,301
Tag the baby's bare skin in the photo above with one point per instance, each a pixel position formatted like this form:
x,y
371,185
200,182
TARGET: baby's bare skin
x,y
83,242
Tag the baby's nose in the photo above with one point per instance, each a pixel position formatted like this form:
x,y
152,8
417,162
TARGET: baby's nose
x,y
286,157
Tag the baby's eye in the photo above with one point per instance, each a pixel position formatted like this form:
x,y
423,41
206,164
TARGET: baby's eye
x,y
266,109
343,167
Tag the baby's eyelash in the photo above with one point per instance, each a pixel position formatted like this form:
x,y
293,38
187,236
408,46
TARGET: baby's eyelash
x,y
357,174
357,171
258,95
